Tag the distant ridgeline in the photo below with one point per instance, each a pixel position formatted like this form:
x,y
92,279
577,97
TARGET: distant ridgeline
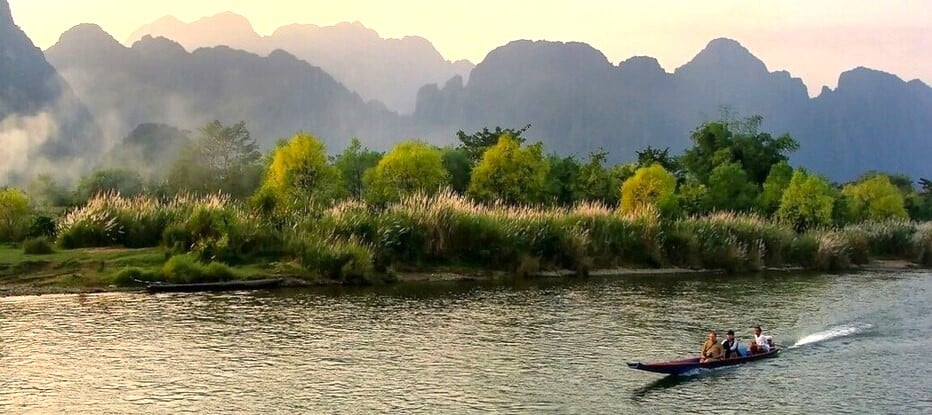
x,y
577,100
574,98
42,123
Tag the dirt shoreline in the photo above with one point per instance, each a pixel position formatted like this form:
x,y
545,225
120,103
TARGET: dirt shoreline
x,y
16,290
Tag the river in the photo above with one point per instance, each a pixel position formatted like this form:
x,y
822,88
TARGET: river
x,y
855,343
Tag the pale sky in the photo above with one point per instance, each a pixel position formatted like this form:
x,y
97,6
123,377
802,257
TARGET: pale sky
x,y
815,40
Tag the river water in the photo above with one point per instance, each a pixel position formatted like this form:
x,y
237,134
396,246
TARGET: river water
x,y
857,343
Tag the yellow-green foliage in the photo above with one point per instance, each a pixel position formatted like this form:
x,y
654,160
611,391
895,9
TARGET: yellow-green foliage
x,y
510,173
410,167
807,201
651,186
299,173
875,198
14,215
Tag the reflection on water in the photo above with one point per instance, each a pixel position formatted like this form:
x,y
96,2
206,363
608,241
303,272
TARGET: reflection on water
x,y
521,347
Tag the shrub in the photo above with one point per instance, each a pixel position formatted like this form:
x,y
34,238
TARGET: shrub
x,y
133,276
922,244
344,261
40,226
803,249
858,245
887,238
832,254
38,246
185,269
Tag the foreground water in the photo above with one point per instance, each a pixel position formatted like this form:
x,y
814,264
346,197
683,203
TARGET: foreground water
x,y
856,343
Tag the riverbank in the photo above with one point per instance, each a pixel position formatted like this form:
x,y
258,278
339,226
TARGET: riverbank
x,y
97,270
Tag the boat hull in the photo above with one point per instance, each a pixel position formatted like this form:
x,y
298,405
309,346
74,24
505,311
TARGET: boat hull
x,y
679,367
215,286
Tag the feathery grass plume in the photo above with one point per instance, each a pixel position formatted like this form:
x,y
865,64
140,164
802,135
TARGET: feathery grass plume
x,y
922,244
888,238
731,241
832,254
858,242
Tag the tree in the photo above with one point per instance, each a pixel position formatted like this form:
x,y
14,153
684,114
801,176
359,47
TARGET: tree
x,y
779,178
410,167
720,142
651,186
353,163
925,186
300,175
595,182
224,159
807,202
124,181
149,149
511,173
651,155
562,180
456,162
477,143
14,214
875,198
44,191
729,188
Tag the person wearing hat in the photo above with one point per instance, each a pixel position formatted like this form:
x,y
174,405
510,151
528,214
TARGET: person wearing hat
x,y
730,345
761,343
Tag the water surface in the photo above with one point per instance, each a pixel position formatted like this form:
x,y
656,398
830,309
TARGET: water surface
x,y
520,347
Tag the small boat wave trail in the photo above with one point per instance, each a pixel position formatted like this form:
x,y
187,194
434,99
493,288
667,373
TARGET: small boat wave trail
x,y
831,333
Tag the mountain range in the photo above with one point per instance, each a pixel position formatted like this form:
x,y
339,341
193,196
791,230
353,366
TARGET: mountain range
x,y
158,81
575,99
387,70
42,123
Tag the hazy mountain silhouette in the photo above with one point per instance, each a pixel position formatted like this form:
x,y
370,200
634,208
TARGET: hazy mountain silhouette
x,y
158,81
42,123
389,70
577,100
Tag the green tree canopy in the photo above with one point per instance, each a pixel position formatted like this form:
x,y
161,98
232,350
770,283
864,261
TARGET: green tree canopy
x,y
721,142
224,159
14,213
779,178
300,175
729,188
651,155
44,191
477,143
651,186
807,201
410,167
127,182
457,162
511,173
875,198
353,163
562,180
596,183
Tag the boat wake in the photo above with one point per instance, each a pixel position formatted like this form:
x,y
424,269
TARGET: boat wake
x,y
832,333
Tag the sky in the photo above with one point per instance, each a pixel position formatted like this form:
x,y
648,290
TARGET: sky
x,y
815,40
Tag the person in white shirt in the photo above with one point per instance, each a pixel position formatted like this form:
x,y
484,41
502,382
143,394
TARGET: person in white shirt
x,y
761,343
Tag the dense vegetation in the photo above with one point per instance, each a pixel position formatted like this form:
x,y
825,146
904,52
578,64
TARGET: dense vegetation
x,y
729,202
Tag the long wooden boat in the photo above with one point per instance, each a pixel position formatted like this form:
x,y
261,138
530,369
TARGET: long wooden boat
x,y
216,286
679,367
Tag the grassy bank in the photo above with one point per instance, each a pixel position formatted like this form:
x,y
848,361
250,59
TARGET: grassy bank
x,y
115,242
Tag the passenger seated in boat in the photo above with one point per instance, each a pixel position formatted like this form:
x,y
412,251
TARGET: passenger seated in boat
x,y
711,350
761,343
730,345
